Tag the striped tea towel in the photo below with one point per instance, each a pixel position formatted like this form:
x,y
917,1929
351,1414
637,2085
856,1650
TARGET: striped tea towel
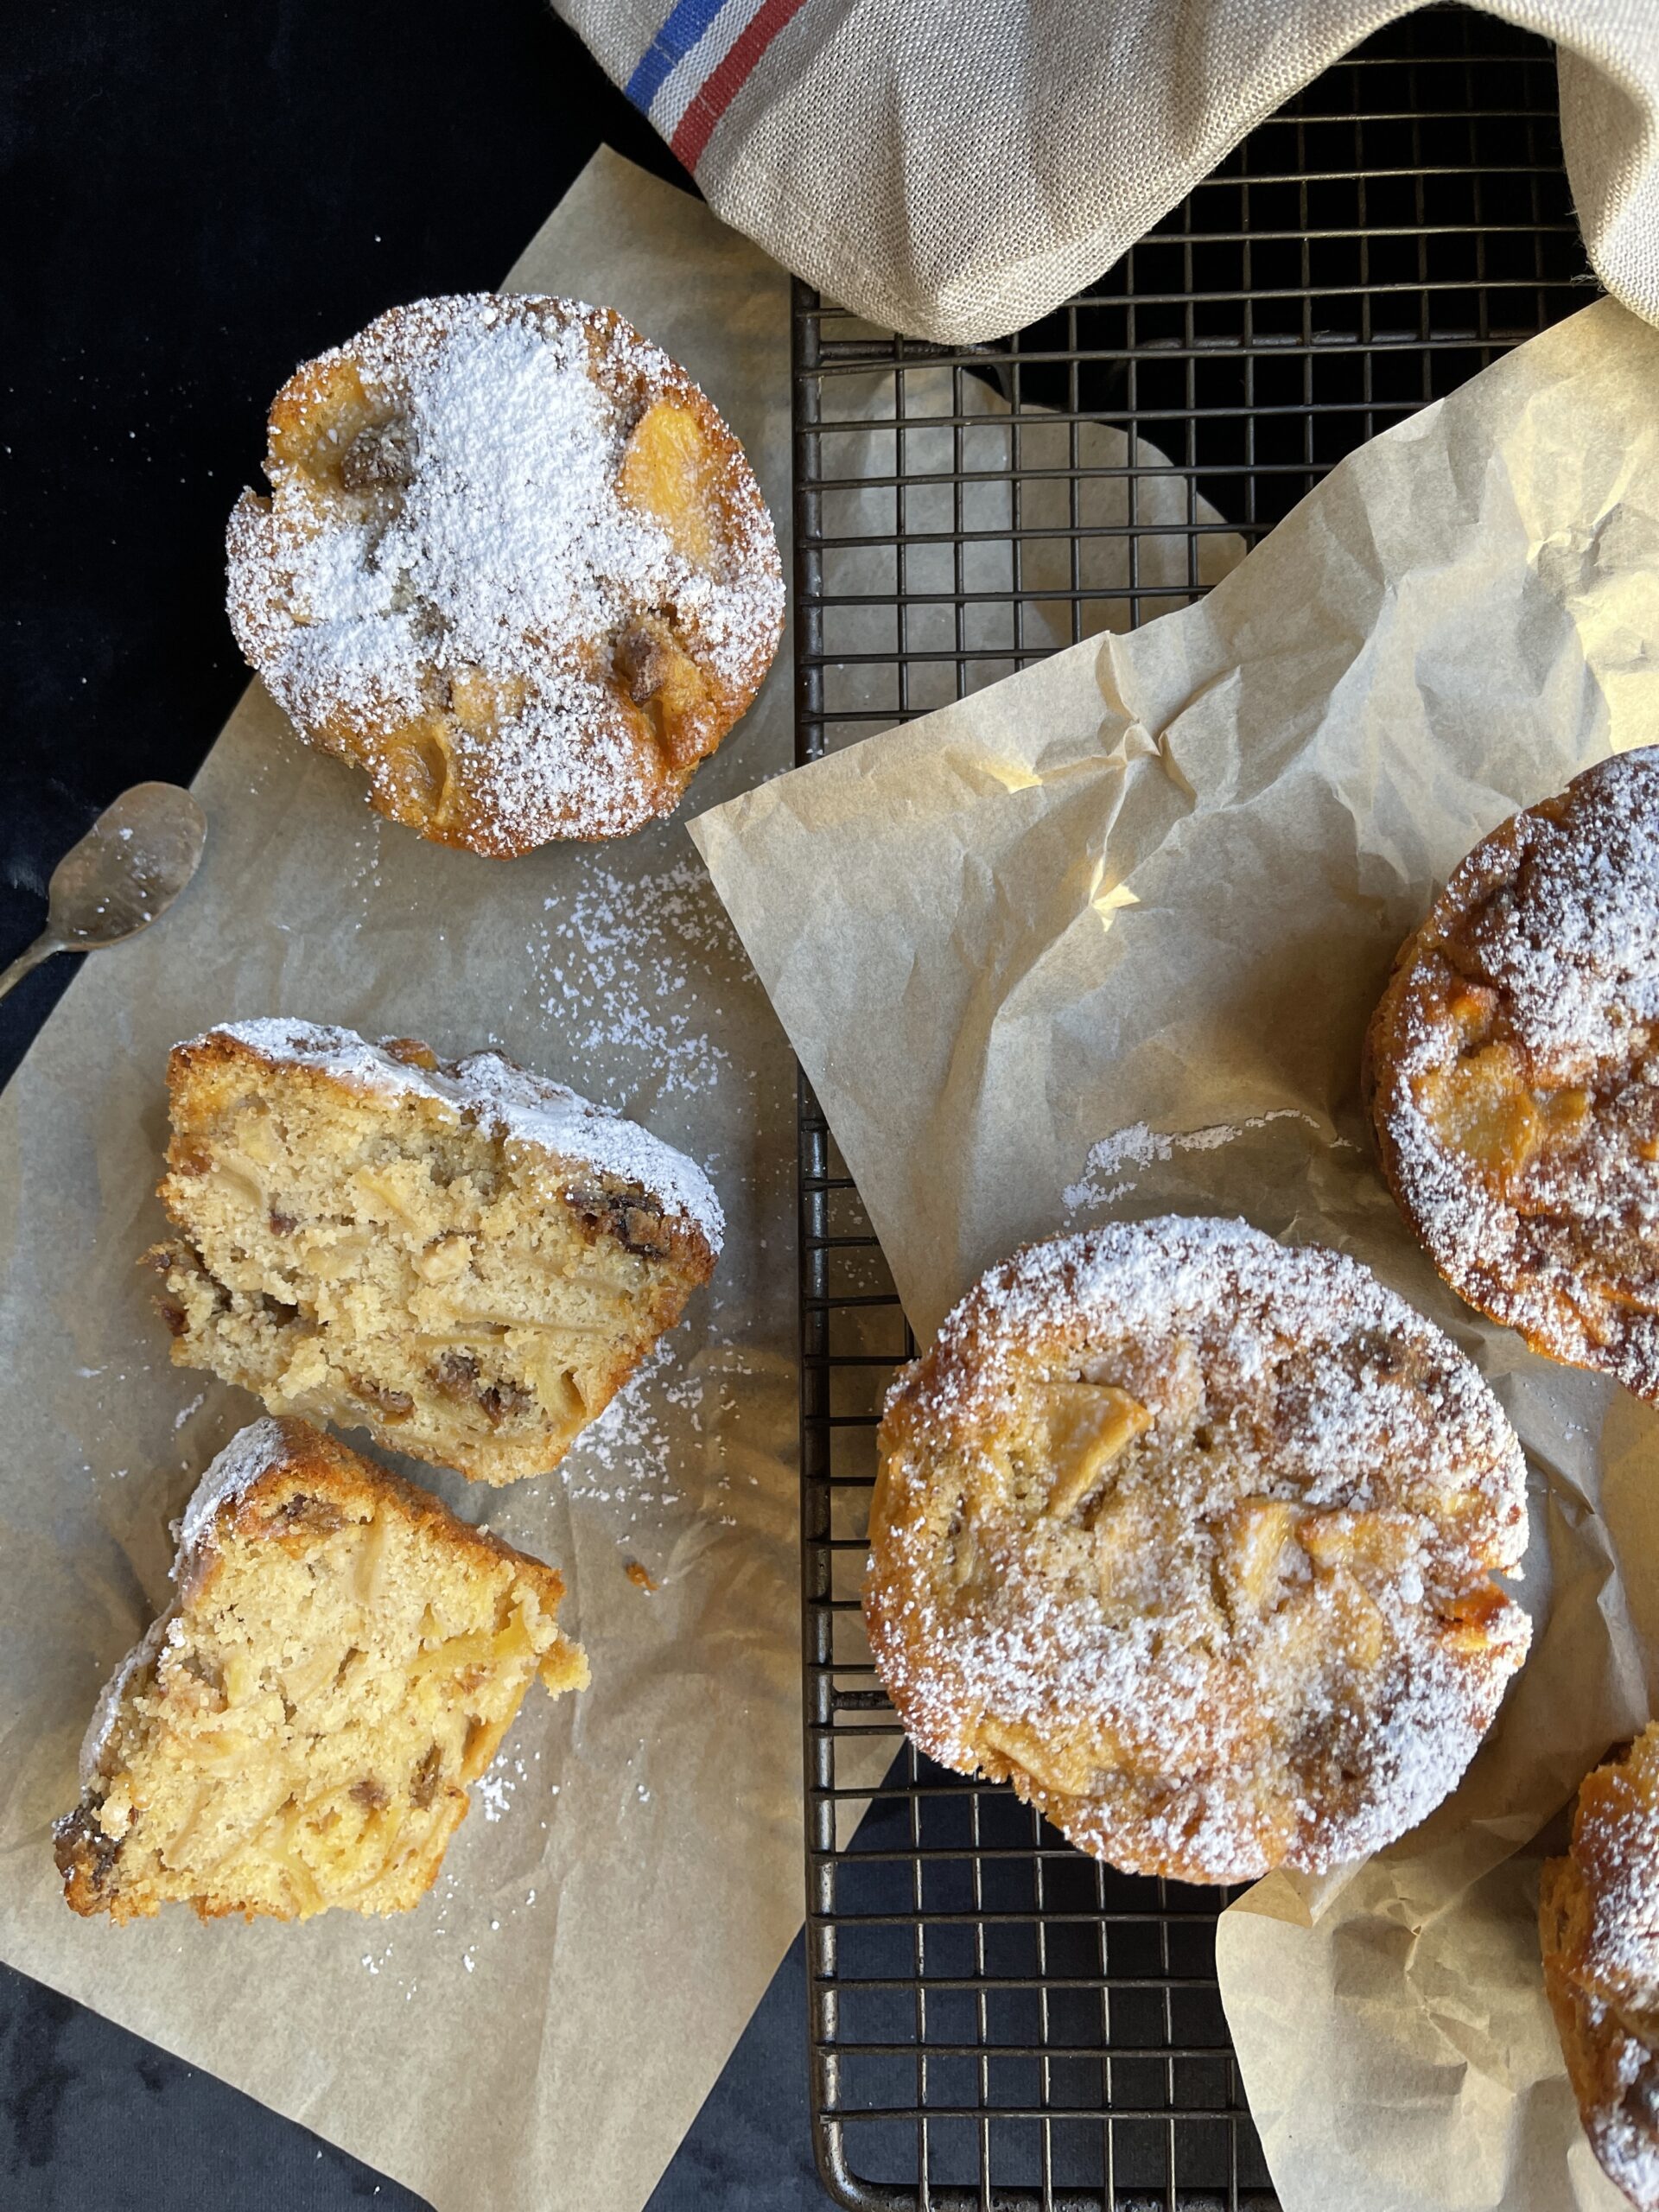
x,y
955,168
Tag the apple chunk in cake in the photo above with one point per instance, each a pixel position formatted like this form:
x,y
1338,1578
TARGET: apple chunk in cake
x,y
466,1259
298,1730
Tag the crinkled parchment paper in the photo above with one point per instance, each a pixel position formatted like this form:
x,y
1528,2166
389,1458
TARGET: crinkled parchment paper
x,y
543,2030
1101,941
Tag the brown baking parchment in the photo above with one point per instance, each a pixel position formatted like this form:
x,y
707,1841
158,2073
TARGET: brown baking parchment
x,y
542,2031
1100,941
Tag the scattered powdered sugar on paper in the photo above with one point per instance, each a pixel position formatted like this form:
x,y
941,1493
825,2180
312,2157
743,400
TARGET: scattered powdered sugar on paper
x,y
1282,1380
492,1791
1108,1171
629,963
492,1091
497,548
623,1457
651,1460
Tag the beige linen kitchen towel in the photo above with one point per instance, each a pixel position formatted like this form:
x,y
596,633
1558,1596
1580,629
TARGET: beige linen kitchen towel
x,y
957,168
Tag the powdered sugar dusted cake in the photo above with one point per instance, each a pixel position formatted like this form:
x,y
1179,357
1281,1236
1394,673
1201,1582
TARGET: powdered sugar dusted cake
x,y
1190,1536
298,1730
512,565
467,1260
1598,1924
1512,1066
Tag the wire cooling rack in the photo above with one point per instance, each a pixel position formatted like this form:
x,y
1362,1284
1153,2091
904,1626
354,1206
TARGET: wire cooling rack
x,y
995,2020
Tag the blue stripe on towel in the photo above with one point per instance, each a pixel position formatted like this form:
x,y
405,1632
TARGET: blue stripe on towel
x,y
685,24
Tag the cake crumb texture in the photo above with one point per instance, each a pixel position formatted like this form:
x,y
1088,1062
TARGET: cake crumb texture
x,y
297,1732
465,1259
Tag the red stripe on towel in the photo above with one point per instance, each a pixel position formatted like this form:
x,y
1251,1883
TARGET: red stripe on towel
x,y
724,82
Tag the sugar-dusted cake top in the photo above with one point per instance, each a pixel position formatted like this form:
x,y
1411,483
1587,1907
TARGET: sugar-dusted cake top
x,y
494,1091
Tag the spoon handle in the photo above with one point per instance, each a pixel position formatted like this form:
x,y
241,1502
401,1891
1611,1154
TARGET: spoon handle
x,y
42,949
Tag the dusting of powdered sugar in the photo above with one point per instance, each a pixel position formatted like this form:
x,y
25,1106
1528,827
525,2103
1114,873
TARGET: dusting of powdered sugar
x,y
253,1452
631,1455
499,544
1236,1289
109,1700
1113,1162
1295,1375
1558,914
1614,1973
1616,1849
508,1101
571,1128
1626,2145
617,956
1575,943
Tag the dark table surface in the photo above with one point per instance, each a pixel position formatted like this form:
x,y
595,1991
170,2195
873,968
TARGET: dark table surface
x,y
197,197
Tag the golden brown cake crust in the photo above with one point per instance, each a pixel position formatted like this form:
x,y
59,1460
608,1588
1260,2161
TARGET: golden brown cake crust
x,y
513,565
306,1462
676,1216
1189,1536
1512,1070
192,1716
463,1258
1599,1926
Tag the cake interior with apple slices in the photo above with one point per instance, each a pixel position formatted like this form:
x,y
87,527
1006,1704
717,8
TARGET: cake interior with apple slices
x,y
297,1732
465,1259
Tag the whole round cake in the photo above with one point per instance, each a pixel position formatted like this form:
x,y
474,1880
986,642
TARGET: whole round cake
x,y
1513,1072
513,565
1190,1536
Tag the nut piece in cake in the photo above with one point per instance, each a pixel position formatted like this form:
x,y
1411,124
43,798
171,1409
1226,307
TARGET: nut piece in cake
x,y
1512,1069
513,565
1190,1537
1598,1925
466,1260
298,1730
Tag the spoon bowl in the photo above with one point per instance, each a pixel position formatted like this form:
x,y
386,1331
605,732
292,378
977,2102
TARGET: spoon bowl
x,y
129,867
125,872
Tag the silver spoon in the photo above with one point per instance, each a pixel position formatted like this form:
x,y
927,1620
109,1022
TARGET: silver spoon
x,y
128,869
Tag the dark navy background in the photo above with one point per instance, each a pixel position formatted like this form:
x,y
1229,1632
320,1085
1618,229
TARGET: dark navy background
x,y
197,197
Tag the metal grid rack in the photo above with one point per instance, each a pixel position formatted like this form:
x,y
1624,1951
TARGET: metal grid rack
x,y
997,2021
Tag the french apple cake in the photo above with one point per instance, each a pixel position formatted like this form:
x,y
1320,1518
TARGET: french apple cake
x,y
1598,1924
512,565
1190,1536
1513,1072
298,1730
465,1259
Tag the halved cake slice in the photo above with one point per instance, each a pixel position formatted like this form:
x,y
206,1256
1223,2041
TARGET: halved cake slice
x,y
298,1729
466,1259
